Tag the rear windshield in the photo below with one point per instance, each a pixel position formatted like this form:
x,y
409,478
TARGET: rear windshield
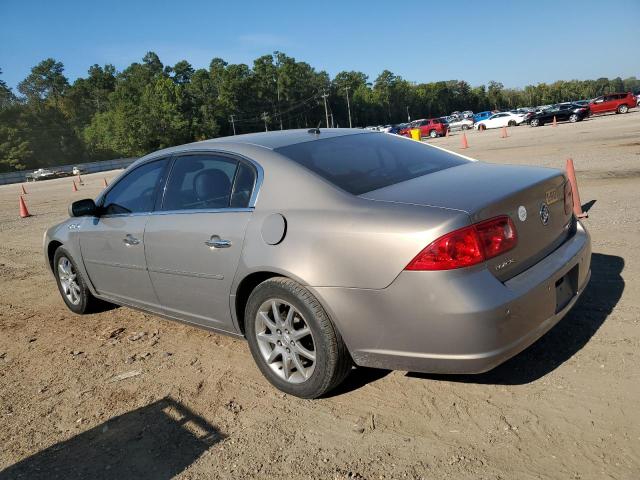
x,y
362,163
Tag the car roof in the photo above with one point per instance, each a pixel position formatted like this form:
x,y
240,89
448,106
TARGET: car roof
x,y
284,138
266,140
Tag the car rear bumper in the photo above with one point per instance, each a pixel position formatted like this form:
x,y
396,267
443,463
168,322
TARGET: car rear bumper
x,y
458,321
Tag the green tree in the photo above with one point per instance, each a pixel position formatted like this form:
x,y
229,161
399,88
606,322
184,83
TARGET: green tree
x,y
46,82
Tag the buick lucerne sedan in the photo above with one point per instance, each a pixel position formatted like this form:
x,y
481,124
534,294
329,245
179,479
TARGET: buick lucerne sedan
x,y
329,248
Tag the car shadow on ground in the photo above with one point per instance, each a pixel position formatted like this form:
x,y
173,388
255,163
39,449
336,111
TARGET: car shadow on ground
x,y
157,442
566,338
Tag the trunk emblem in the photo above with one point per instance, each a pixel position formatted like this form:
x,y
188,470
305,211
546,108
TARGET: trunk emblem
x,y
551,196
544,214
522,213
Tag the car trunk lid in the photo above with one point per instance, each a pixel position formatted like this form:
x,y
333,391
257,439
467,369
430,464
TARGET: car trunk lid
x,y
533,197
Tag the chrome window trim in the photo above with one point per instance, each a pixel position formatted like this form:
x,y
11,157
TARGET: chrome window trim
x,y
172,157
257,184
201,210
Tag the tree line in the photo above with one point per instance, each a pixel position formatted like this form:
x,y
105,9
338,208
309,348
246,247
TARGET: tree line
x,y
147,106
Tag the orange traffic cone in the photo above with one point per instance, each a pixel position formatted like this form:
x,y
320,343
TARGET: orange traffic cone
x,y
555,124
104,181
24,192
446,133
75,188
464,142
577,205
23,209
503,132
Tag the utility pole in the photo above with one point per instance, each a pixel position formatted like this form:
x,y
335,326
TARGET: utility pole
x,y
348,106
233,124
265,116
408,116
326,112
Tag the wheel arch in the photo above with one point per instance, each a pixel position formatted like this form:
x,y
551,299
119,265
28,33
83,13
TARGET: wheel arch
x,y
51,251
248,284
244,289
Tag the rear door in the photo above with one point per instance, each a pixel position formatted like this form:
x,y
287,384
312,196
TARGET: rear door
x,y
113,244
194,241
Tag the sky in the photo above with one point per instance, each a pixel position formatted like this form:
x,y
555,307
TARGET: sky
x,y
513,42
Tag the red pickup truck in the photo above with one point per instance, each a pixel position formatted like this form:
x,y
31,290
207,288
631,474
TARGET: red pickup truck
x,y
613,102
429,127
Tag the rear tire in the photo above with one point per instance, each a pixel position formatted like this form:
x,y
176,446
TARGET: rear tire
x,y
535,122
574,118
482,127
512,123
72,286
622,109
465,127
433,133
293,341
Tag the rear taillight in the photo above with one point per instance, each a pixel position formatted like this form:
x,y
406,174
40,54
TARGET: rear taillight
x,y
568,198
467,246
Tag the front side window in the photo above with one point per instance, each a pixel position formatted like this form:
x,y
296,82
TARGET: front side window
x,y
135,192
208,181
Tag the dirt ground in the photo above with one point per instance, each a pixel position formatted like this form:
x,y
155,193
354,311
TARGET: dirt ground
x,y
195,406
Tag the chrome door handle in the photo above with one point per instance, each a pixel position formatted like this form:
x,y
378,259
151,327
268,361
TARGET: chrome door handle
x,y
130,240
216,242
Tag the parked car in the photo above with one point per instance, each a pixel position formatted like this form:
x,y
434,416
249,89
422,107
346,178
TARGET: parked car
x,y
396,128
459,123
40,174
498,120
477,117
479,261
77,170
613,102
562,113
431,127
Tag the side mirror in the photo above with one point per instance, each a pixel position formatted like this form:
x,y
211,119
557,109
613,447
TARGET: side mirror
x,y
83,208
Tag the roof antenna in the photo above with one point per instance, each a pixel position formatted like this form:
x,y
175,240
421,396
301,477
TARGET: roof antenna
x,y
315,130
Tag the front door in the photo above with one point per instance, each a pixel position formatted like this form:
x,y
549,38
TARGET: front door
x,y
598,105
112,244
194,242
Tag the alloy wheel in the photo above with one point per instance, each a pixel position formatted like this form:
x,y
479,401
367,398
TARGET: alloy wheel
x,y
68,280
285,340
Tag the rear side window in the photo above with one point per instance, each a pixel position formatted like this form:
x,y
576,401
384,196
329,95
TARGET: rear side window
x,y
135,192
243,186
362,163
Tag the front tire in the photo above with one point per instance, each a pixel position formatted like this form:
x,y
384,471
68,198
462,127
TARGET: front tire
x,y
482,127
534,122
465,127
574,118
622,109
293,341
433,134
512,123
71,284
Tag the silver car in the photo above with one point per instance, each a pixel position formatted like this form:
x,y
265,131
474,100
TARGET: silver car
x,y
328,248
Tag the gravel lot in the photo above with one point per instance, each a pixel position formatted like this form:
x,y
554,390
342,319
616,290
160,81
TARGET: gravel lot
x,y
195,406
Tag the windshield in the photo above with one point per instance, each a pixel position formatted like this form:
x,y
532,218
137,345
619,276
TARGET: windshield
x,y
362,163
